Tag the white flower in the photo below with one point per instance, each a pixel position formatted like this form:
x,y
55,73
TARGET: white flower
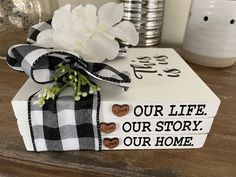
x,y
90,34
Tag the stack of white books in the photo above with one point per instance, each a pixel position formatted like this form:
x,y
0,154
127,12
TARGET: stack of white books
x,y
166,107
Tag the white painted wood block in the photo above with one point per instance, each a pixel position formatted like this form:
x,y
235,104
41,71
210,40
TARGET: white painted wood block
x,y
163,88
186,141
135,140
156,126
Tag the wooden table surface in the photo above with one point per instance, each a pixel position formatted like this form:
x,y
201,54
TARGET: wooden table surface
x,y
216,159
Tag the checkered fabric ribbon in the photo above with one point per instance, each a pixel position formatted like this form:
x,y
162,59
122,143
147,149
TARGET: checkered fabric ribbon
x,y
62,124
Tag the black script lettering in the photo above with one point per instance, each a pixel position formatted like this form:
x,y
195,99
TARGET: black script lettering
x,y
146,61
172,72
149,64
145,58
161,59
138,70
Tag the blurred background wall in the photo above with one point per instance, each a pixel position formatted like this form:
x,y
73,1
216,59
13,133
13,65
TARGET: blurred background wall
x,y
176,14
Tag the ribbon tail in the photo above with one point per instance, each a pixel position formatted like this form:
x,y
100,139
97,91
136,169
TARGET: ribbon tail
x,y
106,73
61,124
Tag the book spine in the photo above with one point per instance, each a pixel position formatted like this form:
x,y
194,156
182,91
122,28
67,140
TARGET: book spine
x,y
158,110
120,126
134,142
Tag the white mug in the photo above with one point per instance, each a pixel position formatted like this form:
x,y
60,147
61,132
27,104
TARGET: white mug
x,y
210,36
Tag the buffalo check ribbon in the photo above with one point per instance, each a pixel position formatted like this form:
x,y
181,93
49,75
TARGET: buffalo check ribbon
x,y
62,124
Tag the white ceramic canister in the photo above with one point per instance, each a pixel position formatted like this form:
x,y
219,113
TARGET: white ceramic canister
x,y
210,36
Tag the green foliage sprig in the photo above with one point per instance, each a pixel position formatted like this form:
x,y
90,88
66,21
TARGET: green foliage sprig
x,y
67,77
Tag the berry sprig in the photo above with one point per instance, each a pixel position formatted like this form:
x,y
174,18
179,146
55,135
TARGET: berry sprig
x,y
67,77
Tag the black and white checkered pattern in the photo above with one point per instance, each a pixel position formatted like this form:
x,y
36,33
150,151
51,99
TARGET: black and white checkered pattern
x,y
62,124
40,63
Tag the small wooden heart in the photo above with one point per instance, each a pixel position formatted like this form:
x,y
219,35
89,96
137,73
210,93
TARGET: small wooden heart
x,y
120,110
111,143
107,127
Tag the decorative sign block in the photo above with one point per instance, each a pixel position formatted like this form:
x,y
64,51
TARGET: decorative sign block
x,y
167,106
163,85
187,141
156,126
160,110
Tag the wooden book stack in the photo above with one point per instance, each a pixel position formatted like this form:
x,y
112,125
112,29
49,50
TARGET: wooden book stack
x,y
166,107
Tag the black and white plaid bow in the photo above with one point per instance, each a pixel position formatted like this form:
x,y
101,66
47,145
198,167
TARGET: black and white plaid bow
x,y
63,123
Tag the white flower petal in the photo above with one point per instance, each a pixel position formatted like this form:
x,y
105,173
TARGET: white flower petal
x,y
45,39
80,31
100,48
126,32
84,18
80,26
91,16
44,35
64,39
79,11
62,17
110,14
